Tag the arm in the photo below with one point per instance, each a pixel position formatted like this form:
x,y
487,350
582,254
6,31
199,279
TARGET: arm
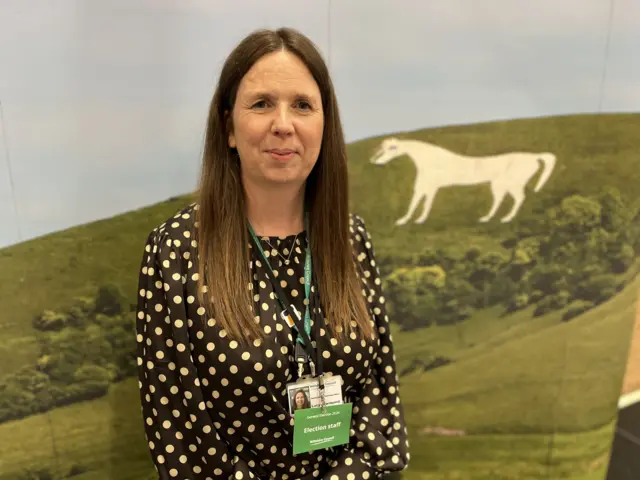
x,y
379,440
181,436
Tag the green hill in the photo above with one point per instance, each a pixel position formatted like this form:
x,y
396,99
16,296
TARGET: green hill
x,y
510,379
48,272
592,150
546,377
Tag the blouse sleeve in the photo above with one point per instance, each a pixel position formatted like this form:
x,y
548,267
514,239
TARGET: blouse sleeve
x,y
182,439
379,439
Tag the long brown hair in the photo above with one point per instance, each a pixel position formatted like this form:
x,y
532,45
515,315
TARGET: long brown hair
x,y
221,216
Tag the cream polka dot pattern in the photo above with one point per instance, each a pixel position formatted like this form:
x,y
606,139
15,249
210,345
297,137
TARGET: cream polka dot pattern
x,y
212,409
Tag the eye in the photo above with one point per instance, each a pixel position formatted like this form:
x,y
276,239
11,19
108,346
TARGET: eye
x,y
260,104
303,105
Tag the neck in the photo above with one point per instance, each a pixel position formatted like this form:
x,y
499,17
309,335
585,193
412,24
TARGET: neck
x,y
275,212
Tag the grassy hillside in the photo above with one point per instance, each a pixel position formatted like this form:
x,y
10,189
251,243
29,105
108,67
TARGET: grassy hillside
x,y
99,439
513,380
583,456
552,376
48,272
592,150
103,439
523,377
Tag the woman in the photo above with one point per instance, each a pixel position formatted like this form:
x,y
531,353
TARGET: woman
x,y
214,352
300,400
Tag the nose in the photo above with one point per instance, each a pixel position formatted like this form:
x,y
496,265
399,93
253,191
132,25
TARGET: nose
x,y
282,124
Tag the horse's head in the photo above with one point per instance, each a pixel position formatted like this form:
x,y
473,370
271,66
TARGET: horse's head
x,y
389,149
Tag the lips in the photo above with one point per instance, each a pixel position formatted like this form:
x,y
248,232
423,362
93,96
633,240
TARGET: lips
x,y
281,151
282,154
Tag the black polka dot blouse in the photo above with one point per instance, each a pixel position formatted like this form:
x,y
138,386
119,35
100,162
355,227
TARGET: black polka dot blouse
x,y
215,410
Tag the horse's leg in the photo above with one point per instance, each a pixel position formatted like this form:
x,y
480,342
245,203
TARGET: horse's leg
x,y
517,176
518,199
427,206
498,192
418,194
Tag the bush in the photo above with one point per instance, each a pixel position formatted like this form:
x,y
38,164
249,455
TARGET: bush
x,y
412,295
552,302
576,214
110,300
548,279
50,321
598,289
518,302
93,380
38,474
82,351
77,469
622,258
577,308
570,252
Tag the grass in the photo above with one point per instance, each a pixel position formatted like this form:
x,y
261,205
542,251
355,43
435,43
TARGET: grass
x,y
506,385
48,272
508,457
516,381
103,436
592,150
558,377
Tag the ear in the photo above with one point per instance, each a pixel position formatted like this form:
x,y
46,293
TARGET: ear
x,y
231,138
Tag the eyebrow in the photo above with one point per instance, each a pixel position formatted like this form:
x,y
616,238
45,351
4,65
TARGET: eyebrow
x,y
270,96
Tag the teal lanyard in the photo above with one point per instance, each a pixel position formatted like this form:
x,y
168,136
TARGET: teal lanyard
x,y
307,279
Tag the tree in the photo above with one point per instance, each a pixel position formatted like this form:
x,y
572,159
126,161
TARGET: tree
x,y
576,215
110,300
483,273
615,216
412,293
50,320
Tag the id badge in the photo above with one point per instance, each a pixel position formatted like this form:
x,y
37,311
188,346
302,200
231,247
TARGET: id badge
x,y
305,393
314,427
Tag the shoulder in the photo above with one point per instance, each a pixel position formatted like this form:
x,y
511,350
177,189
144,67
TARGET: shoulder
x,y
178,232
360,238
358,230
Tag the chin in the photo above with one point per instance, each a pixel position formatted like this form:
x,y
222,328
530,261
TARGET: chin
x,y
286,177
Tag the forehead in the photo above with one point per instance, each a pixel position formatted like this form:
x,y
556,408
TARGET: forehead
x,y
279,72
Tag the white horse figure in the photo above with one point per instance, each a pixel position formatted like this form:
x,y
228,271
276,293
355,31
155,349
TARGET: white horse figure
x,y
437,167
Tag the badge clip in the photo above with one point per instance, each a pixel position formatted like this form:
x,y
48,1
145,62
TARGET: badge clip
x,y
323,403
295,310
288,319
284,314
301,357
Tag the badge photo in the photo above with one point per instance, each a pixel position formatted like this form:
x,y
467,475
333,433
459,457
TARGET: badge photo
x,y
306,393
299,398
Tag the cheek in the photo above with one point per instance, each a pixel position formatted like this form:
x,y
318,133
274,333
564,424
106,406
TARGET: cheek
x,y
251,131
311,135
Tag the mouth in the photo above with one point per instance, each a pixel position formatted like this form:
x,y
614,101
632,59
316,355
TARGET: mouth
x,y
282,154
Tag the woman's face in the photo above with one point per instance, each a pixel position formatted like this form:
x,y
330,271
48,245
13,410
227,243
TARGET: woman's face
x,y
277,122
299,399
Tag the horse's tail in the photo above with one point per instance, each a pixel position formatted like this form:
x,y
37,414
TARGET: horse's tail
x,y
549,161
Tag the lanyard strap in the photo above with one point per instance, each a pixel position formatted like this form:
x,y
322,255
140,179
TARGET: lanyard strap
x,y
304,349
